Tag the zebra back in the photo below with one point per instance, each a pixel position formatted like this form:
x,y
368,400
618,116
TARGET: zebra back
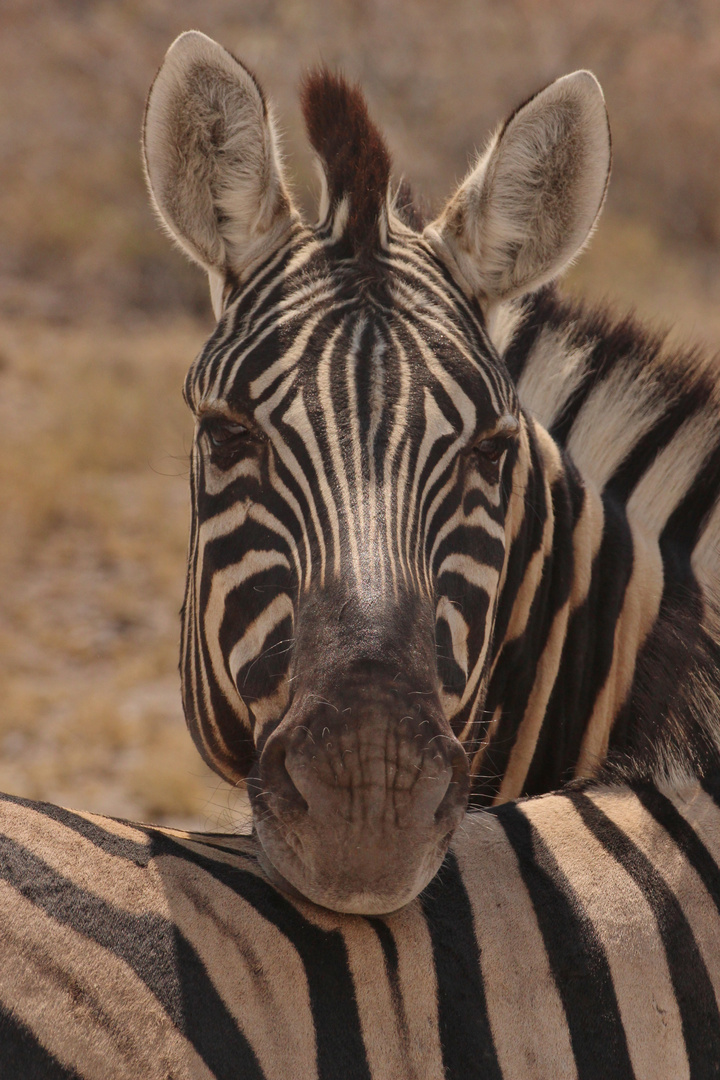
x,y
570,935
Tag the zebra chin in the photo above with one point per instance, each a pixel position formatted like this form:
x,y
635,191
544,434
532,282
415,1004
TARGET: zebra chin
x,y
358,817
328,882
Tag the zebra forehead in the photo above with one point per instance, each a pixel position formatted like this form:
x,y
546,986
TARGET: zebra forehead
x,y
245,364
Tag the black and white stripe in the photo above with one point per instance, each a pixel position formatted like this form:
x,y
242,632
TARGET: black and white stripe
x,y
366,479
575,934
625,655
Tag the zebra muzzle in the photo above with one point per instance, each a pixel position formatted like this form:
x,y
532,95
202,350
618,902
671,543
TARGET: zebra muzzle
x,y
355,806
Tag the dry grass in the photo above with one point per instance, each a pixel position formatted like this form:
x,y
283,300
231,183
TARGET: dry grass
x,y
93,469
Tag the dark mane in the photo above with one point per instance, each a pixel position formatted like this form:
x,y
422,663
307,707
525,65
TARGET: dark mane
x,y
354,155
684,376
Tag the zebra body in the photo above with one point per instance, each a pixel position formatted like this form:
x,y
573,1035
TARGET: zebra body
x,y
569,935
451,537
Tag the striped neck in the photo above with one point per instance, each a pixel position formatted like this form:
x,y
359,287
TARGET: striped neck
x,y
605,654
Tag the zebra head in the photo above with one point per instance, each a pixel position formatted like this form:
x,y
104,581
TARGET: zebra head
x,y
355,434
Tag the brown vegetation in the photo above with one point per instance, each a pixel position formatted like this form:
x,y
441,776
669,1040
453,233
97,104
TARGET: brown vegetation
x,y
99,318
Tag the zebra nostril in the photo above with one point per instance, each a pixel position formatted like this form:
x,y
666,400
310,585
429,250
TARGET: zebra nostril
x,y
276,784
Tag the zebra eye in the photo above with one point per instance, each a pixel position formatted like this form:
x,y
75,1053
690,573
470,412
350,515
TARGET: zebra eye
x,y
224,436
492,449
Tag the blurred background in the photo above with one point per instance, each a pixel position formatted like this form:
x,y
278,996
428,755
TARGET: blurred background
x,y
100,318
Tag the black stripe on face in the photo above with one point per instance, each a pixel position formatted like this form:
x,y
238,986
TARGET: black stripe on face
x,y
367,372
526,543
693,989
451,675
233,756
262,342
23,1057
467,1043
155,950
577,957
243,604
477,497
229,549
472,540
260,677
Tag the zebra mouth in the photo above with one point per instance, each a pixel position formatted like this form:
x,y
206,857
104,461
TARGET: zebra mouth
x,y
355,846
361,884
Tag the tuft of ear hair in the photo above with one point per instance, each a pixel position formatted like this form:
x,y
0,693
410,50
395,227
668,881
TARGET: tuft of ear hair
x,y
354,159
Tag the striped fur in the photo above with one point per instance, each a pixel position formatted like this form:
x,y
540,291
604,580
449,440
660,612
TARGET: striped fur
x,y
306,521
637,422
575,935
439,527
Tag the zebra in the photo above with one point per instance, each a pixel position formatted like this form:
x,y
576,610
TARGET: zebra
x,y
570,935
455,539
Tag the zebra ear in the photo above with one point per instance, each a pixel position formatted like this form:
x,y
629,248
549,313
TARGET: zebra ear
x,y
531,202
212,161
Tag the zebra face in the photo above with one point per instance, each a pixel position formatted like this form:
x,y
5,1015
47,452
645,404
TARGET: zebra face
x,y
356,438
348,503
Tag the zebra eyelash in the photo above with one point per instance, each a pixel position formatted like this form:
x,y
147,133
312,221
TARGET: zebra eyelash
x,y
490,454
493,449
224,438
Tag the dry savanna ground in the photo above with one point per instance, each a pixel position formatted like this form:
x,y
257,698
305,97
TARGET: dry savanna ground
x,y
94,441
99,319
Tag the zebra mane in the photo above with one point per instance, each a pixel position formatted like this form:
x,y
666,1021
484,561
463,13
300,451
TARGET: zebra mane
x,y
574,348
354,158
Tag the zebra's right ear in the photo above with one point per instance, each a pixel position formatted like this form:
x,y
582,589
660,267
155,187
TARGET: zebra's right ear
x,y
531,202
212,161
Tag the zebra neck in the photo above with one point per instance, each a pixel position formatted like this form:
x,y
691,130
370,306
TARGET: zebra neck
x,y
636,668
581,590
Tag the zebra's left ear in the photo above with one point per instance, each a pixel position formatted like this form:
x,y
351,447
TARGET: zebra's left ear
x,y
531,202
212,161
